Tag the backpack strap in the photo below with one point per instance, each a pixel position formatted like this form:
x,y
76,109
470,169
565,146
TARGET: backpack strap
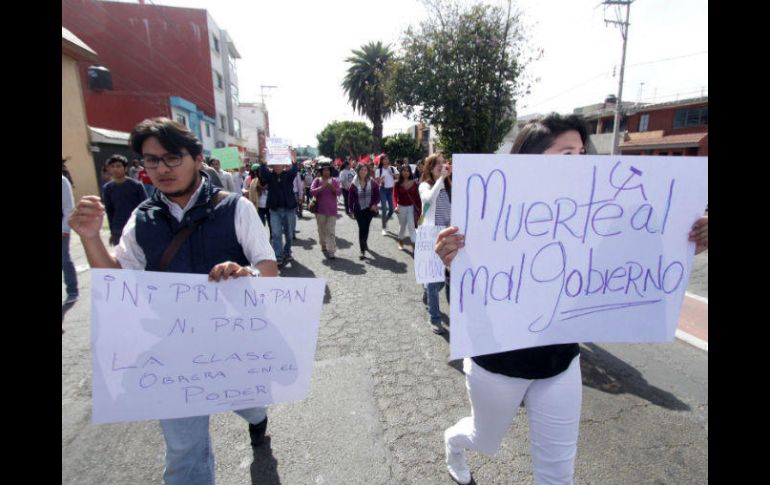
x,y
181,236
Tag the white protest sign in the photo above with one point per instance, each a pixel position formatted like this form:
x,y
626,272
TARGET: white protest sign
x,y
565,249
428,267
171,345
278,151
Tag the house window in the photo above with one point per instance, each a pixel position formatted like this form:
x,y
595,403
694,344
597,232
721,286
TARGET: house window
x,y
222,123
237,124
216,44
607,125
180,118
219,80
644,122
685,118
208,130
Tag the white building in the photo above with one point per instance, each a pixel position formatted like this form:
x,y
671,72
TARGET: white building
x,y
254,119
426,136
225,78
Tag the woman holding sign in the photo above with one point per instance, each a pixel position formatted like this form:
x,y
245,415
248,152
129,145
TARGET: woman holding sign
x,y
435,193
363,198
547,378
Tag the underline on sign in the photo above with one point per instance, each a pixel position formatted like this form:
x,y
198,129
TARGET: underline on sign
x,y
605,308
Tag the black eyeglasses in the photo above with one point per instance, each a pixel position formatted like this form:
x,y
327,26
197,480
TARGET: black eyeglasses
x,y
170,160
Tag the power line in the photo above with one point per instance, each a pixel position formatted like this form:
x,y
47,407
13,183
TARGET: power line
x,y
607,73
668,59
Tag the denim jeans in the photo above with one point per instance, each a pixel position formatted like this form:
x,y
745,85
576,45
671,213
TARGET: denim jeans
x,y
282,222
386,198
189,457
433,295
68,268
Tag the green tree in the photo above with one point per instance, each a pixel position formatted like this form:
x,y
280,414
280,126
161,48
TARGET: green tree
x,y
365,83
344,138
353,138
401,146
461,71
327,140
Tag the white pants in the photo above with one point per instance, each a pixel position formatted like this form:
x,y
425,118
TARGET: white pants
x,y
553,408
406,221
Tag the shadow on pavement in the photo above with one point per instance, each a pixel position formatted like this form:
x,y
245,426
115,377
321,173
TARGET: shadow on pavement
x,y
389,264
346,265
605,372
306,244
297,270
343,243
65,308
264,468
456,365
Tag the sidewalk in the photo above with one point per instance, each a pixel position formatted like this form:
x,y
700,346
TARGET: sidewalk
x,y
693,325
694,321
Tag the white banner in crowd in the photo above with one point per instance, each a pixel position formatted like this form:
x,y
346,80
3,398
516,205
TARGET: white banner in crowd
x,y
278,151
171,345
428,267
571,249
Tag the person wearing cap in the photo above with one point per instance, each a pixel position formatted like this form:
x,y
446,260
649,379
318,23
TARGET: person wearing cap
x,y
326,189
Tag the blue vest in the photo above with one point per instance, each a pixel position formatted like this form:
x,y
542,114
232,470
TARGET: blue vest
x,y
213,242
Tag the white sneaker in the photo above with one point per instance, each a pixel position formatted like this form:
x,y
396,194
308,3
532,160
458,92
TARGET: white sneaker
x,y
384,232
456,465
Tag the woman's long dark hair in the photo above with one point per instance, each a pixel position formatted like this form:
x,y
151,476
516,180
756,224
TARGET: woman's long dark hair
x,y
538,136
401,174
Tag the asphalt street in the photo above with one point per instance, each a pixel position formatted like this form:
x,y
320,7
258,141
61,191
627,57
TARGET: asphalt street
x,y
383,391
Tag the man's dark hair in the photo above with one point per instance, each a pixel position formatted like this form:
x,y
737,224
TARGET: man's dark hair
x,y
116,159
537,136
172,136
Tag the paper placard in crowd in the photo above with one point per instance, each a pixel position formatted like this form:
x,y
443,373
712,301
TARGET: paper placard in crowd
x,y
228,157
278,152
428,267
565,249
171,345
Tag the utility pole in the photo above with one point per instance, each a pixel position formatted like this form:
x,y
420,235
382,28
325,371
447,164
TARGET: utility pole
x,y
623,25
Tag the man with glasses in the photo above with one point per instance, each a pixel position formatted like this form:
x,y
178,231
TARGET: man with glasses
x,y
236,245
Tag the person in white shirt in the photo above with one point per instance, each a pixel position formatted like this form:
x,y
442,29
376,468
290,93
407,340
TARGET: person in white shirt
x,y
386,177
67,266
346,178
236,245
227,180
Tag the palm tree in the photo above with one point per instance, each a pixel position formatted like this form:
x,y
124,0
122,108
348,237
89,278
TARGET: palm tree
x,y
365,85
